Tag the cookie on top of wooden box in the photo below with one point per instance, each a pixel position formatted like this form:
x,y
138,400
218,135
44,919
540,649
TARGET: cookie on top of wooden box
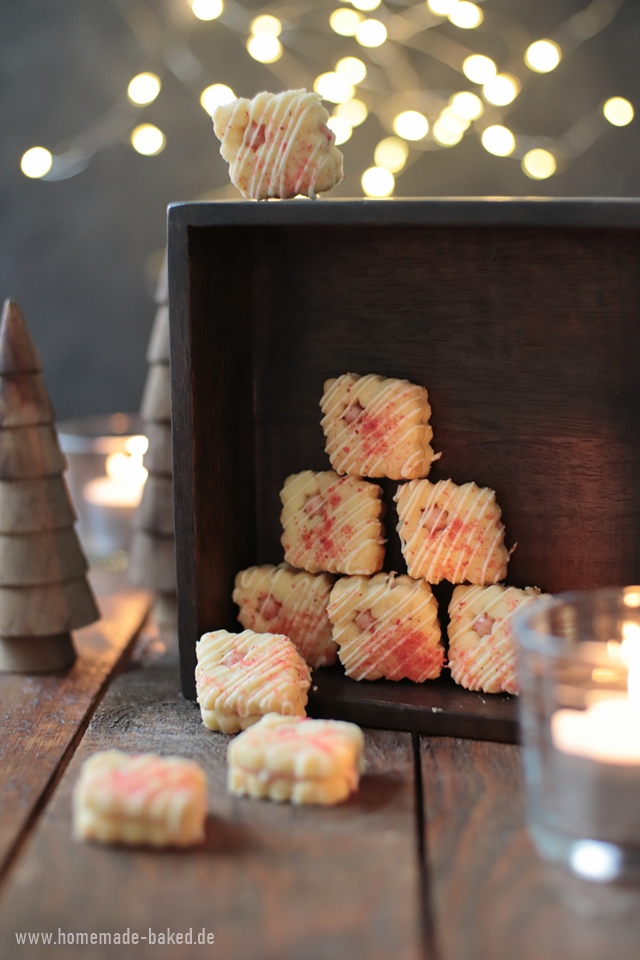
x,y
297,759
242,676
451,532
293,602
386,626
482,648
278,145
377,427
332,523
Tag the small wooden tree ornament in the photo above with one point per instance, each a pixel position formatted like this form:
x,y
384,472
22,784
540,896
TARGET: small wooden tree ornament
x,y
152,562
44,593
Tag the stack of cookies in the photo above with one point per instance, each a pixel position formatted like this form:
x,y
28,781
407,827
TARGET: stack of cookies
x,y
384,624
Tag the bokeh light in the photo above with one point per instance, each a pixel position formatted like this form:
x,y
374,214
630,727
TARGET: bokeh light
x,y
341,128
144,88
36,162
618,111
216,96
371,33
266,24
264,47
442,8
207,9
479,69
345,22
466,15
539,164
411,125
392,153
446,133
354,111
467,105
501,89
498,140
366,5
543,56
148,140
352,68
333,87
378,182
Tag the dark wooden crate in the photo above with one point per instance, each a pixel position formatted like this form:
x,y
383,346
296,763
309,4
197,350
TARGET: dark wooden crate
x,y
521,317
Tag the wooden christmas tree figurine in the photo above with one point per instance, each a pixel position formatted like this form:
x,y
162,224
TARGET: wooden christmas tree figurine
x,y
44,593
152,562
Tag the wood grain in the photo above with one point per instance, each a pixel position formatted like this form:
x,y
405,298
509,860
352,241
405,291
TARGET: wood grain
x,y
492,897
42,715
520,317
273,882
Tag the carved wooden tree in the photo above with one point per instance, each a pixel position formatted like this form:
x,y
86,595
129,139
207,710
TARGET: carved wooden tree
x,y
152,561
44,593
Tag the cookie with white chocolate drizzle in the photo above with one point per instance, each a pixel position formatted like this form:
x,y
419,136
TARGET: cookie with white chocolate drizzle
x,y
278,145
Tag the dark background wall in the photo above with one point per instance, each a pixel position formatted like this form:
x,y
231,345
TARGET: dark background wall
x,y
81,254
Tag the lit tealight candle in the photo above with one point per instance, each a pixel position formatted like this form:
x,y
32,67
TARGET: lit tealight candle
x,y
124,481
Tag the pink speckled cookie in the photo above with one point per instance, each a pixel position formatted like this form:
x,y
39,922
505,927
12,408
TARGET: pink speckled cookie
x,y
386,626
482,649
377,427
293,602
451,532
140,798
332,523
278,145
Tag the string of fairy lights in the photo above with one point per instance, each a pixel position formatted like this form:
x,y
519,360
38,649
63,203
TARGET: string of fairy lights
x,y
378,77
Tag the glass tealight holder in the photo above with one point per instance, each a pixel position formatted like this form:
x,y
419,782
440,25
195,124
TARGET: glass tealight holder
x,y
106,479
579,668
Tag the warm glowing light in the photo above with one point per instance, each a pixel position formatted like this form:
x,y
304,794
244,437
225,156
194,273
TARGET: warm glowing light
x,y
378,182
479,69
446,133
341,128
333,87
345,22
543,56
411,125
539,164
352,68
467,105
148,140
451,119
264,47
442,8
502,89
466,15
498,140
207,9
618,111
144,88
266,24
366,5
371,33
36,162
392,153
137,445
215,96
124,481
354,111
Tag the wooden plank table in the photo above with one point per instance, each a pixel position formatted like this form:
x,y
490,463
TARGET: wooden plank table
x,y
429,860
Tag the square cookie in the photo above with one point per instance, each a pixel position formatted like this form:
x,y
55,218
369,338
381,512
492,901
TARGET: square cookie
x,y
140,799
242,676
386,626
303,761
293,602
377,427
332,523
482,649
278,145
451,532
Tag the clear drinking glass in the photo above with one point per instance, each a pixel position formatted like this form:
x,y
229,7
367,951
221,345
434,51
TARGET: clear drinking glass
x,y
579,668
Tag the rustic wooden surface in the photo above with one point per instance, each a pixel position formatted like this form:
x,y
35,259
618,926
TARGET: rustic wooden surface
x,y
272,882
492,898
520,317
42,717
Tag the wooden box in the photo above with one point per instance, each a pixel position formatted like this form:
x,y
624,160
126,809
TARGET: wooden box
x,y
521,317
